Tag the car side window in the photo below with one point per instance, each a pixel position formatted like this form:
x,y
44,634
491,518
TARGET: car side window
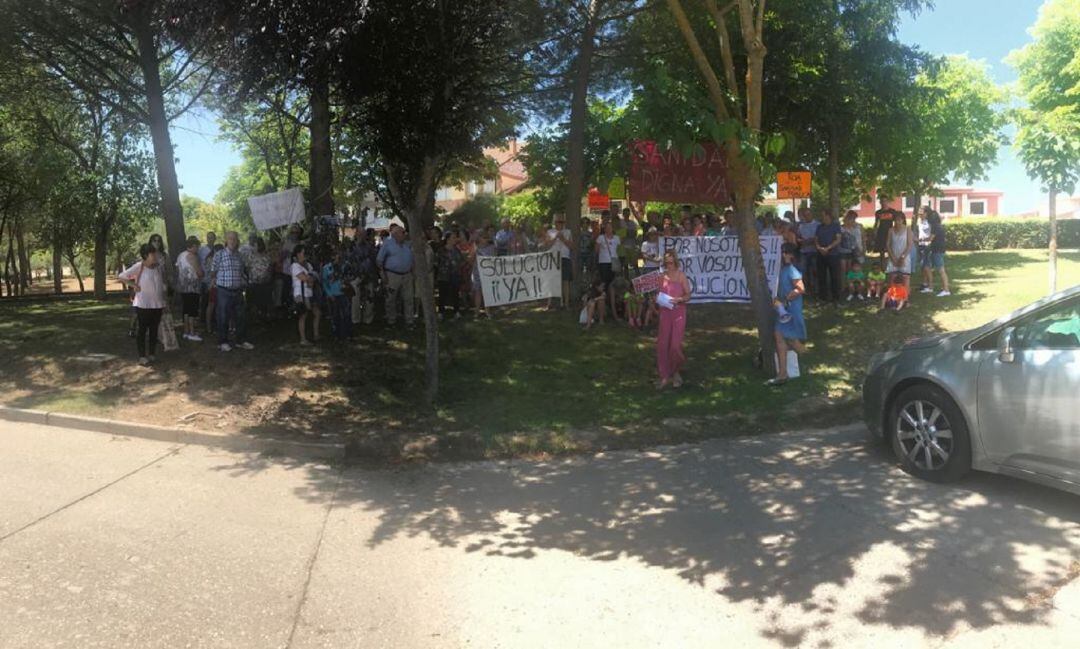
x,y
1055,328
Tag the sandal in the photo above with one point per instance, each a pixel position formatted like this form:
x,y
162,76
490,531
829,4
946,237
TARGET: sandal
x,y
661,384
775,382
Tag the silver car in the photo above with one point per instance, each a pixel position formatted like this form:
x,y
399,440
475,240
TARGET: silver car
x,y
1003,397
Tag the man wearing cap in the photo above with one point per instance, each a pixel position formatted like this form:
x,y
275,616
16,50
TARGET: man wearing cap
x,y
395,262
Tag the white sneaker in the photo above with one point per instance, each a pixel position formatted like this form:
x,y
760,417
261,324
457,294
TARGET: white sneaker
x,y
850,298
144,361
195,338
246,345
944,294
225,347
926,289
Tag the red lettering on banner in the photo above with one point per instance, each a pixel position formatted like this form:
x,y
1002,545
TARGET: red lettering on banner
x,y
665,175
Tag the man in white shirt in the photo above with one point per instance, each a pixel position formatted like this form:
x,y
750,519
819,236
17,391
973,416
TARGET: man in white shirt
x,y
561,240
650,252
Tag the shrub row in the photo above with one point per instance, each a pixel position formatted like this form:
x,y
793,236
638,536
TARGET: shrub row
x,y
993,234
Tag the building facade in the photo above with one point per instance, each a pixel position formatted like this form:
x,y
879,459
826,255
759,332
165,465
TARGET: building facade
x,y
510,179
954,202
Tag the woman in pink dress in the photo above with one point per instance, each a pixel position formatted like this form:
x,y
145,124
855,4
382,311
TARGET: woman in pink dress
x,y
669,340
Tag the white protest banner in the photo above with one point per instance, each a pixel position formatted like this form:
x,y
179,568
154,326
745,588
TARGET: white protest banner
x,y
520,278
274,210
378,223
715,268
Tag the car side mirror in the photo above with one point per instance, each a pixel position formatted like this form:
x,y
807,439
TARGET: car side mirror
x,y
1007,345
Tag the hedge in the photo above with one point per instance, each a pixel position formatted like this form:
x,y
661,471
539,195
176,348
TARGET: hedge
x,y
992,234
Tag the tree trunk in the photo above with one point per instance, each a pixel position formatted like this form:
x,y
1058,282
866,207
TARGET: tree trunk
x,y
101,260
57,265
164,156
25,273
746,180
415,206
78,275
575,141
321,176
5,276
757,280
9,268
1053,240
834,175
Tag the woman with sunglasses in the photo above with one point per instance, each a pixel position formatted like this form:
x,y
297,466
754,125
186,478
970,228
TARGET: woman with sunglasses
x,y
672,298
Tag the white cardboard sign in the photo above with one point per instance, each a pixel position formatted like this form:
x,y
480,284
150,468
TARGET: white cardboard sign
x,y
270,211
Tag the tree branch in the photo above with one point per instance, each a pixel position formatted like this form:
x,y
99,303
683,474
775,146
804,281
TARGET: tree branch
x,y
720,24
716,93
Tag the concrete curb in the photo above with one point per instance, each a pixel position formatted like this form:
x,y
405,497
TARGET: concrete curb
x,y
236,442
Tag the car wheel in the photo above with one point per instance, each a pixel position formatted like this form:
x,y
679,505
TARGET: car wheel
x,y
928,434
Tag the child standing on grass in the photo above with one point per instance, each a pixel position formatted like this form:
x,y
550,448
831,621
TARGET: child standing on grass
x,y
897,296
633,303
592,304
856,281
620,309
875,281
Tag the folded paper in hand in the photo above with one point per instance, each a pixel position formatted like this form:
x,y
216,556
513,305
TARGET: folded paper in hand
x,y
665,300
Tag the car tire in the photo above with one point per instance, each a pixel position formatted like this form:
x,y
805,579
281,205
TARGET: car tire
x,y
928,434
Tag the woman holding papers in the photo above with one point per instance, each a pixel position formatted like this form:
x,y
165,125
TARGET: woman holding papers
x,y
790,330
672,298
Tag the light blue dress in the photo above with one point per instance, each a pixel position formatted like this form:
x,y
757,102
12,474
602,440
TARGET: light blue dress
x,y
795,328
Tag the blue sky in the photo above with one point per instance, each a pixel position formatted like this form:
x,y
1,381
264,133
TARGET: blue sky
x,y
987,31
983,30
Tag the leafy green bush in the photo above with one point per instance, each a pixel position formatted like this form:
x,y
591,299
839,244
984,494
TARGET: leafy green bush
x,y
525,207
992,234
477,212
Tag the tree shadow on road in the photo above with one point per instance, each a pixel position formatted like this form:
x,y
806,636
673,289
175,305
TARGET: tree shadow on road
x,y
817,534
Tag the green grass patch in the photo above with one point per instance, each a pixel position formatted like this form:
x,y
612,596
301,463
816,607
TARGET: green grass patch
x,y
527,381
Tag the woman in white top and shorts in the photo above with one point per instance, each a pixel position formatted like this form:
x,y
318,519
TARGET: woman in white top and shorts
x,y
898,249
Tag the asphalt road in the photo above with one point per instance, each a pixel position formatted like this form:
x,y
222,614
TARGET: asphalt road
x,y
803,539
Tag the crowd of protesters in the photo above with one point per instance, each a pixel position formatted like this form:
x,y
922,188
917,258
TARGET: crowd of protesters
x,y
307,279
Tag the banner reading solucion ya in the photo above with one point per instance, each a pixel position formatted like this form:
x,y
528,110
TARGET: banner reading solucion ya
x,y
714,266
520,278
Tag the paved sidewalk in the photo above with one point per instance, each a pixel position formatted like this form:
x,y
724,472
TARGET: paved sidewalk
x,y
803,539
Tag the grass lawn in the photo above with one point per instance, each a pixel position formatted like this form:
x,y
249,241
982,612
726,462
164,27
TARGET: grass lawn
x,y
525,382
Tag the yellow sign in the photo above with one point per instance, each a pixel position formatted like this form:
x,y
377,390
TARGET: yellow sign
x,y
793,184
617,188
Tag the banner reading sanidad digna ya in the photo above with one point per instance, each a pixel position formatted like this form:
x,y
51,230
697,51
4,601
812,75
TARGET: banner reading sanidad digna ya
x,y
715,268
520,278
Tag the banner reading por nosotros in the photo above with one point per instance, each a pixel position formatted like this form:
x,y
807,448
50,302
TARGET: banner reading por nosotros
x,y
520,278
715,267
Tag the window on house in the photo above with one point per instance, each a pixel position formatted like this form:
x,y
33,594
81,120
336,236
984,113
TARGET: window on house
x,y
909,202
947,206
977,208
